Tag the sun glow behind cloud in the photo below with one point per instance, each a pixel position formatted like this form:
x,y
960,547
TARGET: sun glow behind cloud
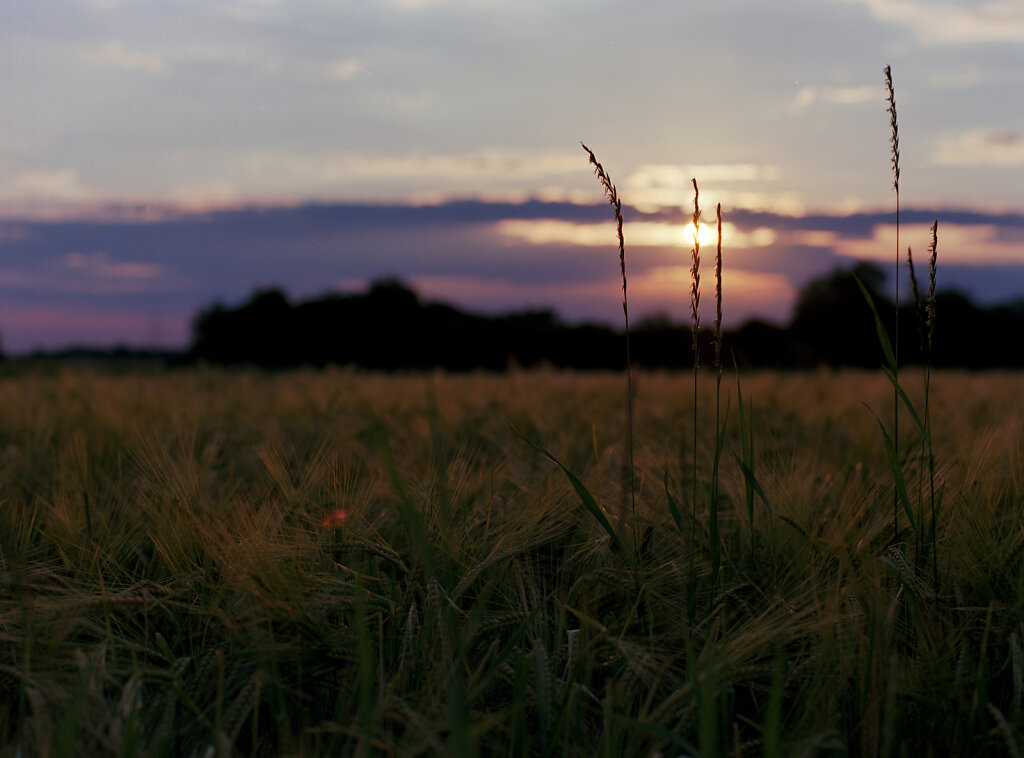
x,y
665,289
659,290
638,233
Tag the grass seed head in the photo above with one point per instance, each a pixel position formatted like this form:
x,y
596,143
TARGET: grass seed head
x,y
613,198
930,299
695,266
718,293
894,132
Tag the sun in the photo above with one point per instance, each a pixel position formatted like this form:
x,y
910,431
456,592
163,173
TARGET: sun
x,y
707,235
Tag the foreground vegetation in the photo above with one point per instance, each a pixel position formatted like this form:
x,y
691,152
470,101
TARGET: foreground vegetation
x,y
206,563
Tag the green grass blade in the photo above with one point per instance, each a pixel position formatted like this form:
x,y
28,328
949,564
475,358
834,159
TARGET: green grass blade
x,y
897,472
714,538
673,508
747,447
751,480
906,401
883,336
581,490
772,725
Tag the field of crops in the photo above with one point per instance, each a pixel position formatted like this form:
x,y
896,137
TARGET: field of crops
x,y
328,563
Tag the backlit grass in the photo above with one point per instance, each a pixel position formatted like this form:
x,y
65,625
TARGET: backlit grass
x,y
332,563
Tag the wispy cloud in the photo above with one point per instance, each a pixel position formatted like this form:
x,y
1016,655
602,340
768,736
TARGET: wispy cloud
x,y
252,11
116,55
981,147
957,79
954,24
99,266
654,186
675,175
810,94
378,177
346,70
480,163
86,273
958,243
42,192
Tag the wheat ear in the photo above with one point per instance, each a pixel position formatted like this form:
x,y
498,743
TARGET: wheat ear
x,y
613,199
695,329
894,141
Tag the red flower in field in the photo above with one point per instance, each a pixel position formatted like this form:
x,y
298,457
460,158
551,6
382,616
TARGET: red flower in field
x,y
335,518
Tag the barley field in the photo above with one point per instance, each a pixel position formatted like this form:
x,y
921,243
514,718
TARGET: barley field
x,y
205,563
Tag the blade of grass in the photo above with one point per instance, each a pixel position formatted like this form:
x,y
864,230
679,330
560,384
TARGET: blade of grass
x,y
747,460
616,203
896,471
673,508
581,490
883,336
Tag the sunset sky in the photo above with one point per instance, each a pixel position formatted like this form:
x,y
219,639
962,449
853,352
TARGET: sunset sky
x,y
157,157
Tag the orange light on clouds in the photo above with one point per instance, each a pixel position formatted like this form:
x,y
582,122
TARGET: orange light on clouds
x,y
662,289
743,292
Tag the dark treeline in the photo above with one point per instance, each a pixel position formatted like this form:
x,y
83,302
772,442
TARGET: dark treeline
x,y
390,328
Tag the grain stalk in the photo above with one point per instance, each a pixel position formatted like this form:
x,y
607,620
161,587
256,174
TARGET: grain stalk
x,y
894,140
613,199
716,557
695,329
924,310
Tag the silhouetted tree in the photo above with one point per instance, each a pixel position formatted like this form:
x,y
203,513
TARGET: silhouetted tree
x,y
259,332
389,328
832,323
758,344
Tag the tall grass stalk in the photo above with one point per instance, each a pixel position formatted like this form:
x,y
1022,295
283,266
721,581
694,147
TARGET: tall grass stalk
x,y
695,331
613,199
930,324
716,557
924,310
894,141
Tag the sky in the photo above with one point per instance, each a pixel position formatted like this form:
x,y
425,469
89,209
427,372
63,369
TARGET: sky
x,y
160,157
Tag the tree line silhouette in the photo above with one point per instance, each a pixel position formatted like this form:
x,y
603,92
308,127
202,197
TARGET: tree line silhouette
x,y
390,328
